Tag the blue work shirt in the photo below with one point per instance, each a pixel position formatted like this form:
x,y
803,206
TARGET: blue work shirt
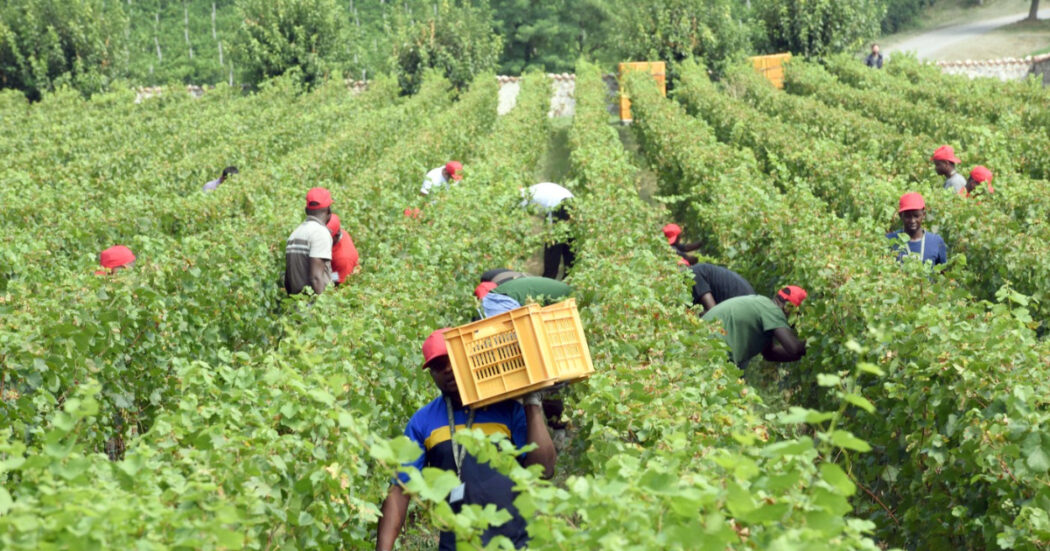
x,y
484,485
936,251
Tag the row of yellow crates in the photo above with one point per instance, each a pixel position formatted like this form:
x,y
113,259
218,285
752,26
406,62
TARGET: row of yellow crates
x,y
771,67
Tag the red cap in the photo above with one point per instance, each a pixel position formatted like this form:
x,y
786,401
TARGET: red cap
x,y
682,262
911,201
434,347
412,212
945,153
672,231
318,198
333,224
794,295
453,169
116,256
483,289
981,174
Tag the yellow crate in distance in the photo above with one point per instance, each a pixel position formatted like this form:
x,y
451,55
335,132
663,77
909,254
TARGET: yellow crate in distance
x,y
518,352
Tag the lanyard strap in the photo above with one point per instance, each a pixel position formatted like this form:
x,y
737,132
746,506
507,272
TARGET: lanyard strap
x,y
922,248
458,452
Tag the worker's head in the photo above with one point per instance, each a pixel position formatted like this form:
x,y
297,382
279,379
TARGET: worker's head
x,y
226,172
790,296
319,203
435,359
944,160
116,258
875,49
672,231
453,170
484,288
335,227
912,210
980,175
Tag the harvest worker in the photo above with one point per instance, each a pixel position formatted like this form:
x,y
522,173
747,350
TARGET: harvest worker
x,y
214,184
944,162
439,177
501,275
979,175
673,233
554,201
755,324
308,252
874,59
432,428
927,246
714,285
496,299
114,259
344,253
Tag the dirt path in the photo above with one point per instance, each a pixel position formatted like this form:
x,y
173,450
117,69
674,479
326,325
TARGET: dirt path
x,y
941,43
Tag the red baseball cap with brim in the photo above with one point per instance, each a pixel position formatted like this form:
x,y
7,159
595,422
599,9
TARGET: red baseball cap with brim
x,y
794,295
333,224
318,198
945,153
982,175
483,289
672,231
116,256
434,347
453,169
911,201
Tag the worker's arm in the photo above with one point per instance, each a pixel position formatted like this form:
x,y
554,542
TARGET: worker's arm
x,y
394,509
690,247
318,275
536,427
784,346
707,300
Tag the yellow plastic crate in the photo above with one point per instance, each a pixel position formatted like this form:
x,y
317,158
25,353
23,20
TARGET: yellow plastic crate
x,y
658,69
570,355
771,67
518,352
501,357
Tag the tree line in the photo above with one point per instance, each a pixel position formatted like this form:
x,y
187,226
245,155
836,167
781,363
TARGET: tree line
x,y
92,44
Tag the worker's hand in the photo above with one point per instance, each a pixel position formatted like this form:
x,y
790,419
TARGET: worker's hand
x,y
533,399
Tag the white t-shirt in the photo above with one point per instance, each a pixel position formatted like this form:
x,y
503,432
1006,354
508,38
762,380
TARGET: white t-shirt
x,y
546,194
433,180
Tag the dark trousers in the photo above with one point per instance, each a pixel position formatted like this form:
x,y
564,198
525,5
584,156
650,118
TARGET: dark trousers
x,y
553,255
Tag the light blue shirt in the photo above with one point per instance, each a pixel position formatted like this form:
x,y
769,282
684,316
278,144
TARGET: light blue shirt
x,y
495,304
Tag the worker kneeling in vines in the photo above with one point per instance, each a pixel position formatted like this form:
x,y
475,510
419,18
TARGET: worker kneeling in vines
x,y
432,428
114,259
756,325
344,253
979,175
673,233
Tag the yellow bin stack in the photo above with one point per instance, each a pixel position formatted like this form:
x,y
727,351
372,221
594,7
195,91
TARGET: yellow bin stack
x,y
517,352
656,68
771,67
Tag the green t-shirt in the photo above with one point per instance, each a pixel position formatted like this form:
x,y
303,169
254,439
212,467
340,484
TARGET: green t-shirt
x,y
543,290
749,322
